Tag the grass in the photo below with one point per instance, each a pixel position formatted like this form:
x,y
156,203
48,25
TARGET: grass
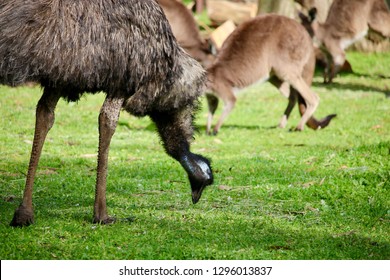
x,y
277,195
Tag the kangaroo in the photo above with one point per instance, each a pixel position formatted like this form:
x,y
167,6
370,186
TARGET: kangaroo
x,y
267,47
186,31
347,22
321,57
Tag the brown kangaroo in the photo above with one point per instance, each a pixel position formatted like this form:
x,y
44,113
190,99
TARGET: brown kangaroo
x,y
186,31
348,21
321,57
268,47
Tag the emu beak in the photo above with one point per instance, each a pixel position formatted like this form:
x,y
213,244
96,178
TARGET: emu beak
x,y
199,186
196,195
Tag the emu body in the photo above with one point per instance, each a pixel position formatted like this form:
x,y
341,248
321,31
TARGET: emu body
x,y
267,47
347,22
123,48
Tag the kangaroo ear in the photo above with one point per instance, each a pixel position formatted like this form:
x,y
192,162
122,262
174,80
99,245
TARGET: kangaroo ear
x,y
312,14
303,17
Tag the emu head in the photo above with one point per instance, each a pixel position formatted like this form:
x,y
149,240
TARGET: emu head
x,y
199,173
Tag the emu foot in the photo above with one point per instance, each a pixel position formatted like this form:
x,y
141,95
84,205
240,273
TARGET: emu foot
x,y
23,216
105,221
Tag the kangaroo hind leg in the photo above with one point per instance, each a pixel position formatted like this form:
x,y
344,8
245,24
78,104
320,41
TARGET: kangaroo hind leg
x,y
310,97
225,92
212,102
288,92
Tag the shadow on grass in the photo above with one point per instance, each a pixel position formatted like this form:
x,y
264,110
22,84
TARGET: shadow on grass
x,y
201,129
356,86
265,237
150,127
223,235
198,232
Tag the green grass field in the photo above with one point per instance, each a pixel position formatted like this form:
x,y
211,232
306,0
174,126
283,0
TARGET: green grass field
x,y
277,194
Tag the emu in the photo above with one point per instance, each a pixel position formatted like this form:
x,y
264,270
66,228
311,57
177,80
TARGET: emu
x,y
123,48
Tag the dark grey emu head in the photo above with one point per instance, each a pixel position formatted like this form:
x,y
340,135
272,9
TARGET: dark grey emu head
x,y
123,48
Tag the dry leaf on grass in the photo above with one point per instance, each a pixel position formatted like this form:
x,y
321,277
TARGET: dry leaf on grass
x,y
224,188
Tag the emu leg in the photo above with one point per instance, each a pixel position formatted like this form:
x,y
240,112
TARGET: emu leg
x,y
176,130
24,215
108,119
